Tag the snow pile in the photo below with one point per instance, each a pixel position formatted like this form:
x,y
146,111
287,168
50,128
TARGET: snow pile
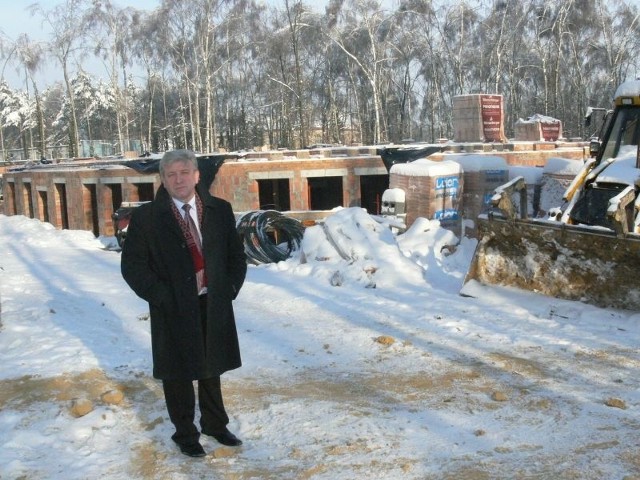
x,y
442,256
352,246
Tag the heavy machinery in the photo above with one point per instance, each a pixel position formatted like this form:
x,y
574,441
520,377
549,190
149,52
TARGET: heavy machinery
x,y
589,249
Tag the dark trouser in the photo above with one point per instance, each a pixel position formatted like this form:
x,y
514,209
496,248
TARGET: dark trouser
x,y
181,401
181,405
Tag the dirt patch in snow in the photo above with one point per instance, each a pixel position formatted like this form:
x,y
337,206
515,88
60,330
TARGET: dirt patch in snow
x,y
464,391
21,392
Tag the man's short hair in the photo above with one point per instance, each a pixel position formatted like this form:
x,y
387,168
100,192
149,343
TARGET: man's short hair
x,y
180,155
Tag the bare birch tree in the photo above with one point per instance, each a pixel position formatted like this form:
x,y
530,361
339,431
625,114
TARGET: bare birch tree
x,y
363,39
111,28
30,55
65,22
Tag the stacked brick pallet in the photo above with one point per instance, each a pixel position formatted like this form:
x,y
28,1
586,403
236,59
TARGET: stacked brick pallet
x,y
433,190
478,118
538,128
482,175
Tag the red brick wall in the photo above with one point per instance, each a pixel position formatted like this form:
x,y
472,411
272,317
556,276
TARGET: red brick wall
x,y
237,181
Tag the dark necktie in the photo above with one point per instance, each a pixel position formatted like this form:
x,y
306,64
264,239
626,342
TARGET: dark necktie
x,y
192,226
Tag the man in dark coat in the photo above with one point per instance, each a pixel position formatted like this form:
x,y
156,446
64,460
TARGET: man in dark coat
x,y
189,264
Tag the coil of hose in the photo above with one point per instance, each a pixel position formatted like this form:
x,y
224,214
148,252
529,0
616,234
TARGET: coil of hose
x,y
261,229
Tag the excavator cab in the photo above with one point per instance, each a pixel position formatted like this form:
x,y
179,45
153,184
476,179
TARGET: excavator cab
x,y
615,172
623,132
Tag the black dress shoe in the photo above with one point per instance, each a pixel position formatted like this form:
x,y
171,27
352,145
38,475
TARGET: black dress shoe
x,y
225,438
192,449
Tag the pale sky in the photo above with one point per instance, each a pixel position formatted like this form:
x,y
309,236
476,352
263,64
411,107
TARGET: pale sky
x,y
16,19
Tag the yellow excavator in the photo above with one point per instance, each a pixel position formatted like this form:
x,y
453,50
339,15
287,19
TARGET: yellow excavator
x,y
589,249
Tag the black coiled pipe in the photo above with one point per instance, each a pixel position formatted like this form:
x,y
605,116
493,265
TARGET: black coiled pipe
x,y
261,229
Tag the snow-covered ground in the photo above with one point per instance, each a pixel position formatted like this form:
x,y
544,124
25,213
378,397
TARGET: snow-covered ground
x,y
373,367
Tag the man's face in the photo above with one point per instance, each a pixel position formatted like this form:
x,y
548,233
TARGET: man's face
x,y
180,179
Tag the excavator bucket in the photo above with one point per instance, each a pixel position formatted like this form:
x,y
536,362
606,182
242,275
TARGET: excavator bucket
x,y
595,265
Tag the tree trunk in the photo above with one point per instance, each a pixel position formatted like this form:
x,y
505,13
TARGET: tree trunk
x,y
74,138
151,91
293,29
42,147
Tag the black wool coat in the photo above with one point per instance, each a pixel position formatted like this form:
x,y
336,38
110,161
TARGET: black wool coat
x,y
157,265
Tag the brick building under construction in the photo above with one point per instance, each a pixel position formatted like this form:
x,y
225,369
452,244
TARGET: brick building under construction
x,y
82,195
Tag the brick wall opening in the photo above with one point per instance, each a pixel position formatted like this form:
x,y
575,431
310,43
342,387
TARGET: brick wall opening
x,y
111,201
10,198
28,200
325,193
62,217
371,189
145,191
274,194
43,206
116,196
90,204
